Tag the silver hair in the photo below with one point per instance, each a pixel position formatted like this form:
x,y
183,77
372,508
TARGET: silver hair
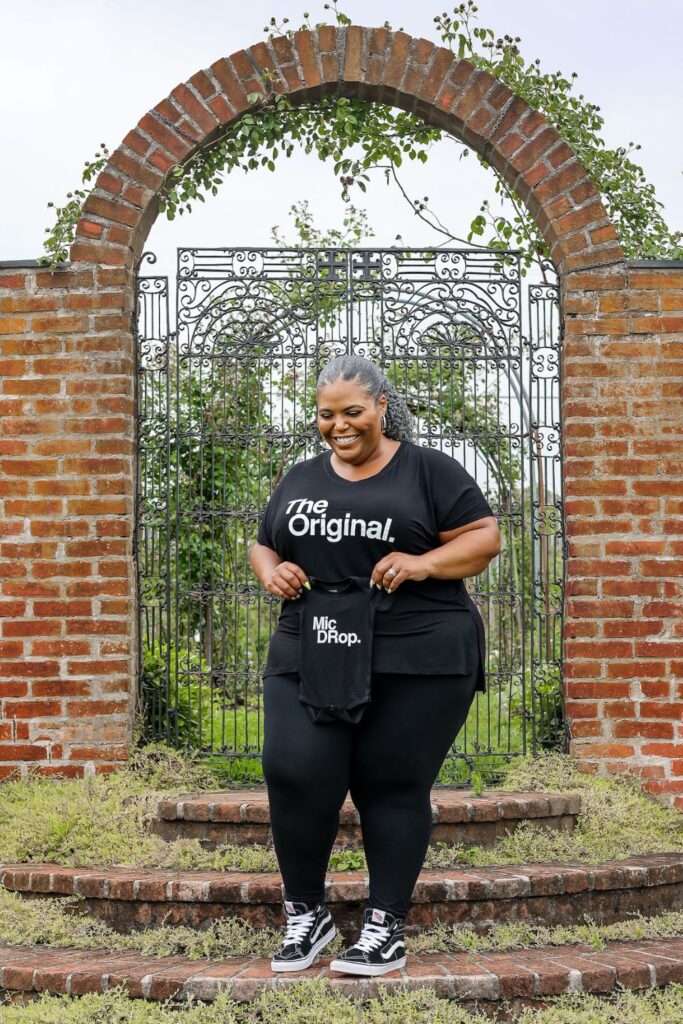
x,y
399,419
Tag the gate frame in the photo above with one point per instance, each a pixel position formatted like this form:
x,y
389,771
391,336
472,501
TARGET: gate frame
x,y
514,322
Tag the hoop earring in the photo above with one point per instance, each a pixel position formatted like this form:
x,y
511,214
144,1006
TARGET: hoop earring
x,y
383,423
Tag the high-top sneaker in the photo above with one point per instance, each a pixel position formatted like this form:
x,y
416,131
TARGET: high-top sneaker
x,y
380,948
306,933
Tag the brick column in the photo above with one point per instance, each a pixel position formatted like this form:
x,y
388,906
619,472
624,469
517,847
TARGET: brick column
x,y
623,467
66,504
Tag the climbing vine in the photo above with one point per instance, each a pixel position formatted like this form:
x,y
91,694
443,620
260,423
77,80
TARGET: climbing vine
x,y
361,138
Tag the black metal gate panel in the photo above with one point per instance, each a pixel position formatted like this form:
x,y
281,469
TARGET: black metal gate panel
x,y
226,405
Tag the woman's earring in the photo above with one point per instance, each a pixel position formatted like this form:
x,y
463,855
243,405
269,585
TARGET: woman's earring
x,y
383,423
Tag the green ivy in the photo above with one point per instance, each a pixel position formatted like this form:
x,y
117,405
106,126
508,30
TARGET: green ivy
x,y
64,231
331,127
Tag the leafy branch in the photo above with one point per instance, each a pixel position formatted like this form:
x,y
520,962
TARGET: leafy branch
x,y
629,198
355,229
64,231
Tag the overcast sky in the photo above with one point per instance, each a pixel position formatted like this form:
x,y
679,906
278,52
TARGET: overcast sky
x,y
76,73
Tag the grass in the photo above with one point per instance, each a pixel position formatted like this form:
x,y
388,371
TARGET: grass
x,y
617,820
492,725
313,1001
495,724
519,935
98,820
52,922
104,820
101,821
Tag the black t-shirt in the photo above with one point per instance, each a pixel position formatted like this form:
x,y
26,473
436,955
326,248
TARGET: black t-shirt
x,y
332,528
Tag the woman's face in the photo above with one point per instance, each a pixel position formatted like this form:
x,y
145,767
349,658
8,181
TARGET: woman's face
x,y
346,410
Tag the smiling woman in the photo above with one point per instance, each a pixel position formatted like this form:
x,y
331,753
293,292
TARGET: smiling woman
x,y
350,421
355,532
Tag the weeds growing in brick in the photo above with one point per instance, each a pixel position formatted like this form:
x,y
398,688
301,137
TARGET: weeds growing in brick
x,y
313,1001
53,923
58,922
97,820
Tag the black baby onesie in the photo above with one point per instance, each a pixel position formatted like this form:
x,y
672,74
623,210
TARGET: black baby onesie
x,y
336,622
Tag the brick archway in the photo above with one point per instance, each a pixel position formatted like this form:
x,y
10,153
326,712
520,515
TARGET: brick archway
x,y
67,451
372,64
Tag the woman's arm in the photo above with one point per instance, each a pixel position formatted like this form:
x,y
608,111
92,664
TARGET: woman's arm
x,y
284,579
465,551
263,560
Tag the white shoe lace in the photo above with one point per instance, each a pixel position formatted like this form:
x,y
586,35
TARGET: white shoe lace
x,y
298,925
373,935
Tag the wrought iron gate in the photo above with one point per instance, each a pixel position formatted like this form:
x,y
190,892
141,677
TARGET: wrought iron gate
x,y
226,404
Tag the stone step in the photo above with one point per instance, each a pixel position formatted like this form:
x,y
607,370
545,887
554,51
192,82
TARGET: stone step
x,y
479,981
547,893
243,816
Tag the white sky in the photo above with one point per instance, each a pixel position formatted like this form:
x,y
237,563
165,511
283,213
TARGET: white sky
x,y
80,72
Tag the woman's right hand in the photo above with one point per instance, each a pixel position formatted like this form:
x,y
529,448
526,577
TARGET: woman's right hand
x,y
286,580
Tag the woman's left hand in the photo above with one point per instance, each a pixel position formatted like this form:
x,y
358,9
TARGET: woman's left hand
x,y
408,567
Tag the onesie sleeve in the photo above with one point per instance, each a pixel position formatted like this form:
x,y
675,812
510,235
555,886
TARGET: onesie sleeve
x,y
457,497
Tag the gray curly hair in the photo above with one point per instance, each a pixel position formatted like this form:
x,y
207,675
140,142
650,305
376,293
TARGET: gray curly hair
x,y
399,419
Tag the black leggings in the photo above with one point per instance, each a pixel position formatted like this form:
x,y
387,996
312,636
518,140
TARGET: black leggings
x,y
389,763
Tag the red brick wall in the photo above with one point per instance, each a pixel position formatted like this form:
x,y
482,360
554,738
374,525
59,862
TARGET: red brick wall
x,y
623,471
66,504
67,646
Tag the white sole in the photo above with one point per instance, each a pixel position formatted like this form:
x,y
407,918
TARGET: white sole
x,y
301,965
366,969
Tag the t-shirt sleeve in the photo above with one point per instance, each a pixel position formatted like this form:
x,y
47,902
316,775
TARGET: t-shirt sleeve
x,y
458,498
265,528
279,497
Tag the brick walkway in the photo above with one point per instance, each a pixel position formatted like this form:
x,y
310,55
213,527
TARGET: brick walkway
x,y
528,974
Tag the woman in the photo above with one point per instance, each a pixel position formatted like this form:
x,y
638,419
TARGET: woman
x,y
411,520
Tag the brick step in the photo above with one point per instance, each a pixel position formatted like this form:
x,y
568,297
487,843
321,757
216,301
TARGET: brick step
x,y
243,816
521,977
548,893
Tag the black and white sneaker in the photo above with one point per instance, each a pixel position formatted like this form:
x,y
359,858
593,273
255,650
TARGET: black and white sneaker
x,y
380,948
306,933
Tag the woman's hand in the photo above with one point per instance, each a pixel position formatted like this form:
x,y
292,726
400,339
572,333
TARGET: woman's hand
x,y
408,567
286,580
